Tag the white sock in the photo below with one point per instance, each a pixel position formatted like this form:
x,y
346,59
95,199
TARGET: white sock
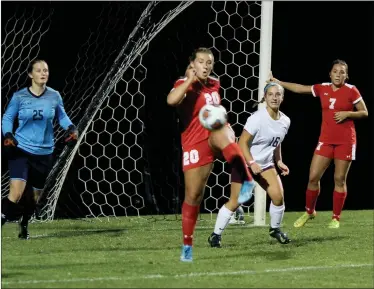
x,y
276,215
223,218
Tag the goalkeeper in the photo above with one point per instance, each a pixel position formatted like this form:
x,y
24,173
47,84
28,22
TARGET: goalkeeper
x,y
29,150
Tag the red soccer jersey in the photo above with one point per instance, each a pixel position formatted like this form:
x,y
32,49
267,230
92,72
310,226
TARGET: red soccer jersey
x,y
196,97
342,99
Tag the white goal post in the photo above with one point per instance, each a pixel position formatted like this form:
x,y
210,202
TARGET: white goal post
x,y
265,67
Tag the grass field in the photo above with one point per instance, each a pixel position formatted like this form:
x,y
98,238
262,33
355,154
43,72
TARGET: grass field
x,y
133,252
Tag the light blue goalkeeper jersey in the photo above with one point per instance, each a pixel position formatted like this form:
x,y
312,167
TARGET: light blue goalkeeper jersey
x,y
35,117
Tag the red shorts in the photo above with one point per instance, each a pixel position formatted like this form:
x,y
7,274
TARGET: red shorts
x,y
345,152
197,155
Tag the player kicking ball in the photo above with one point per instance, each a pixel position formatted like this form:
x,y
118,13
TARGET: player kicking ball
x,y
260,143
200,145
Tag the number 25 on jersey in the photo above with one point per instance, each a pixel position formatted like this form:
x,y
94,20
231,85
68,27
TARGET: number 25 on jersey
x,y
212,98
37,114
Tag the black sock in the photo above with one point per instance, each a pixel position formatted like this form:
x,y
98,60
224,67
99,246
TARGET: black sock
x,y
9,210
28,206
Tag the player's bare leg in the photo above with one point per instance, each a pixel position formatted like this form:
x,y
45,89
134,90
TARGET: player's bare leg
x,y
195,181
340,190
224,141
9,205
272,184
317,169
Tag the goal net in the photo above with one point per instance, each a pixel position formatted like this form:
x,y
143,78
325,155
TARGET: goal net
x,y
128,158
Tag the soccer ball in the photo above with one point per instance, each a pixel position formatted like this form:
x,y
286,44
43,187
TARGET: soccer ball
x,y
213,117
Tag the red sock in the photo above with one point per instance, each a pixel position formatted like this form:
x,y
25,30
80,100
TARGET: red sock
x,y
338,204
235,158
311,200
189,218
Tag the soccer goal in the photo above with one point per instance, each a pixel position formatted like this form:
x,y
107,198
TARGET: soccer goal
x,y
128,159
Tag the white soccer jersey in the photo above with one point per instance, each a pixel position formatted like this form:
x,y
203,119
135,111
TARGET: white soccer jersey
x,y
268,134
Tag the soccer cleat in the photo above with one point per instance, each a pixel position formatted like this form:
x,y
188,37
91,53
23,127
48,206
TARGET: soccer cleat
x,y
279,235
233,220
237,220
186,253
238,217
303,219
23,232
246,192
215,240
334,224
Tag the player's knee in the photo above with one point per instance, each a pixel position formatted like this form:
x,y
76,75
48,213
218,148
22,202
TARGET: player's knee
x,y
193,195
16,189
339,180
314,178
193,199
278,201
276,196
195,181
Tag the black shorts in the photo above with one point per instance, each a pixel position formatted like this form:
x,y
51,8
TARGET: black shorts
x,y
30,168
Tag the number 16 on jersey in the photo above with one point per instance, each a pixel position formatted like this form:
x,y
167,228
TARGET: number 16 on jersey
x,y
275,141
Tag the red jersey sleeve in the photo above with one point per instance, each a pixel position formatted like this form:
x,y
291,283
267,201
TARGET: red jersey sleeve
x,y
355,95
316,90
178,82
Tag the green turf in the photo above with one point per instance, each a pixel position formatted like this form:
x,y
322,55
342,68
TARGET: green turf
x,y
133,252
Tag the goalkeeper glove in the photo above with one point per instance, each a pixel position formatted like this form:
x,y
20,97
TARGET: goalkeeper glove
x,y
10,140
71,134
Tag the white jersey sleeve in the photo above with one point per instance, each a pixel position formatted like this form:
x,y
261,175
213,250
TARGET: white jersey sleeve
x,y
287,121
251,126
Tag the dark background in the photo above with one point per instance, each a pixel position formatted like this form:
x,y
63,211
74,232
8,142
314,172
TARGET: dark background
x,y
307,37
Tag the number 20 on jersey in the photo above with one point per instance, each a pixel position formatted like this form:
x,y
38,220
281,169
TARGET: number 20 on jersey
x,y
212,98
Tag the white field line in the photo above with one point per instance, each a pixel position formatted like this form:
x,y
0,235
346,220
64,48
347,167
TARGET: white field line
x,y
189,275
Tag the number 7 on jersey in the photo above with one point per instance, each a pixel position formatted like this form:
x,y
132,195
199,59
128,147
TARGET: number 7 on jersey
x,y
332,103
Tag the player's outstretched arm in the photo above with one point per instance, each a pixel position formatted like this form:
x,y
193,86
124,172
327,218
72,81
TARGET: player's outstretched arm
x,y
177,94
294,87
